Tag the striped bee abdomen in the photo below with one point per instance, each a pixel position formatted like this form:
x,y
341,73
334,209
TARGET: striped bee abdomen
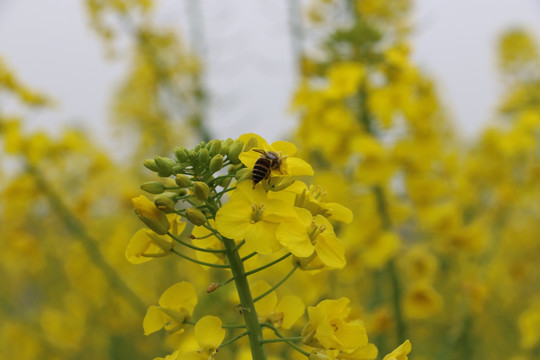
x,y
261,170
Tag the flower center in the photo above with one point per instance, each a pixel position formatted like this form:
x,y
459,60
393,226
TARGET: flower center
x,y
317,192
257,212
315,230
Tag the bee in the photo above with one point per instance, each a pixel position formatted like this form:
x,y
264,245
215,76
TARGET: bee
x,y
264,165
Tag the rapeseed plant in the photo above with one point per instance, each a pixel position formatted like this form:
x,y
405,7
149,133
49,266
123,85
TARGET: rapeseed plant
x,y
256,221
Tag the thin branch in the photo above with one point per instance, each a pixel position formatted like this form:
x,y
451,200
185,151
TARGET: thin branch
x,y
221,266
268,265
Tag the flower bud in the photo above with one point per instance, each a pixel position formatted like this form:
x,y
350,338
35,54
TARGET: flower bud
x,y
216,163
178,168
183,181
234,150
179,192
278,184
215,147
154,218
234,168
153,187
201,190
224,182
243,174
164,166
166,201
181,154
195,216
150,164
251,143
192,156
204,156
225,146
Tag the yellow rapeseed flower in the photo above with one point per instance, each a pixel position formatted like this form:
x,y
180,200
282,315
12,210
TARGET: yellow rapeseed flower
x,y
421,301
313,199
305,235
283,314
252,216
146,245
290,165
400,353
209,335
328,327
176,305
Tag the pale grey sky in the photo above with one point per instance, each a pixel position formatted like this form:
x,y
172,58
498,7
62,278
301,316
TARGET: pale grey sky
x,y
250,72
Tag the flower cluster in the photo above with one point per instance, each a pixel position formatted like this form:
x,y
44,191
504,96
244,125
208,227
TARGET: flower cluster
x,y
246,199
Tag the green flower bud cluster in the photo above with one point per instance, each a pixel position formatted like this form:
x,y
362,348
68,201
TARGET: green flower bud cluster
x,y
199,180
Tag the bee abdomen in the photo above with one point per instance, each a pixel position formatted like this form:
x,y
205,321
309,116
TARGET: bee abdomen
x,y
261,170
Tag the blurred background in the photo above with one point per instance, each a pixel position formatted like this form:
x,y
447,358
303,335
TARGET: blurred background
x,y
249,53
429,107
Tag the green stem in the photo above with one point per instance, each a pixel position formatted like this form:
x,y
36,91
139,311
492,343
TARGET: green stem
x,y
239,245
277,285
268,265
221,266
249,256
230,341
365,119
89,244
221,177
234,326
278,334
246,301
226,282
195,247
222,192
382,207
284,339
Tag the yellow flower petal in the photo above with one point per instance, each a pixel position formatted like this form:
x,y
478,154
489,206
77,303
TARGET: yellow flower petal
x,y
400,353
180,295
293,235
138,244
154,320
339,212
261,237
232,219
331,251
351,336
292,308
209,333
267,304
261,143
287,148
367,352
293,166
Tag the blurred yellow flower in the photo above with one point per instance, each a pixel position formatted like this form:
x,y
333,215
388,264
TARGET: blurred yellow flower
x,y
400,353
176,305
284,313
329,327
209,335
421,301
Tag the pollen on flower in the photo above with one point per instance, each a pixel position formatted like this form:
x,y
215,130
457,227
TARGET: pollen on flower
x,y
258,210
